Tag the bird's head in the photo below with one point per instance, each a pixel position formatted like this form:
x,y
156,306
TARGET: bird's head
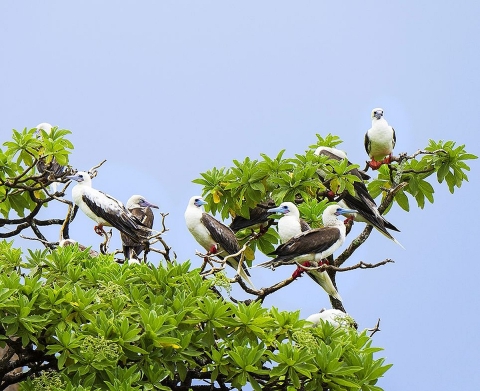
x,y
197,201
285,208
139,201
377,113
337,210
80,177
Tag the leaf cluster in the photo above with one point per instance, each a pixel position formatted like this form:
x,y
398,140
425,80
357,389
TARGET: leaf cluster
x,y
23,187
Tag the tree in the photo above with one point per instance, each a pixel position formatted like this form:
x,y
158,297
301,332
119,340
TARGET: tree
x,y
78,319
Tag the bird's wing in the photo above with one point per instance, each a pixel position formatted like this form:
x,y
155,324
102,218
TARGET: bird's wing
x,y
367,143
221,234
225,237
394,137
115,213
258,215
312,241
304,226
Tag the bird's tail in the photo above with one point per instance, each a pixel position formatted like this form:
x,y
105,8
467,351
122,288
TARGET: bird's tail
x,y
323,279
241,269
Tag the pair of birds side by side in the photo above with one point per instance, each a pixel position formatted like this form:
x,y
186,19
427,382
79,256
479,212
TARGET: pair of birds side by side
x,y
134,221
308,247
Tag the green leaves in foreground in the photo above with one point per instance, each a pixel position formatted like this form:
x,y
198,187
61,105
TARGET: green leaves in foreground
x,y
105,326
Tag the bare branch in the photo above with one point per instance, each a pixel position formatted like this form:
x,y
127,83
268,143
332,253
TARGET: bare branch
x,y
375,328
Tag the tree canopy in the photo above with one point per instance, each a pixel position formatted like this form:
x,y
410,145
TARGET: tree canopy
x,y
79,319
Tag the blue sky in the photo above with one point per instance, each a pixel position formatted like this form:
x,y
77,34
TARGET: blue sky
x,y
166,90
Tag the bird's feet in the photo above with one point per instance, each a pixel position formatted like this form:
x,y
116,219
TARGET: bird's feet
x,y
299,270
374,165
99,230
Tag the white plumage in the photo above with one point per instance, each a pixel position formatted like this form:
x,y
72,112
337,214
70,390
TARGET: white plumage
x,y
106,210
214,236
309,246
379,140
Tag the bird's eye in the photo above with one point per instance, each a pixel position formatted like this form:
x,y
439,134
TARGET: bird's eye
x,y
81,176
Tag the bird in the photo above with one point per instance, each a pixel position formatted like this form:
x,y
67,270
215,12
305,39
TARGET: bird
x,y
361,201
379,140
139,207
52,168
214,236
335,317
309,247
106,210
259,216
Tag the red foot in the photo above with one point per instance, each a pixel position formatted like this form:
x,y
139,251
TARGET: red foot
x,y
299,270
387,160
99,230
374,165
213,249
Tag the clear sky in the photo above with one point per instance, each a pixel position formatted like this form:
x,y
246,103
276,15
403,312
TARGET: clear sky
x,y
166,90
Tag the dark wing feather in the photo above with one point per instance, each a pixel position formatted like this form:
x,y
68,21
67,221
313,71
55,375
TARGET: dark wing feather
x,y
367,208
394,137
117,216
367,143
224,236
258,215
304,226
221,234
312,241
146,217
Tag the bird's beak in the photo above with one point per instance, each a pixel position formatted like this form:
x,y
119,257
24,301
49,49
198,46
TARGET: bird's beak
x,y
278,209
346,211
200,203
378,114
148,204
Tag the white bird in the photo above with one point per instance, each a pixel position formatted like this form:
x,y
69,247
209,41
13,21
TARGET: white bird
x,y
139,207
52,168
106,210
309,247
361,201
214,236
335,317
379,140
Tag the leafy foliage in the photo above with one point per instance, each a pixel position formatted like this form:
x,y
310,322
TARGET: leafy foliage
x,y
23,188
78,320
106,326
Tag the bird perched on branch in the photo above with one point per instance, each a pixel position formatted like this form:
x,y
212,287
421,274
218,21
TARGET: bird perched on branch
x,y
379,140
139,207
106,210
311,247
214,236
361,200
